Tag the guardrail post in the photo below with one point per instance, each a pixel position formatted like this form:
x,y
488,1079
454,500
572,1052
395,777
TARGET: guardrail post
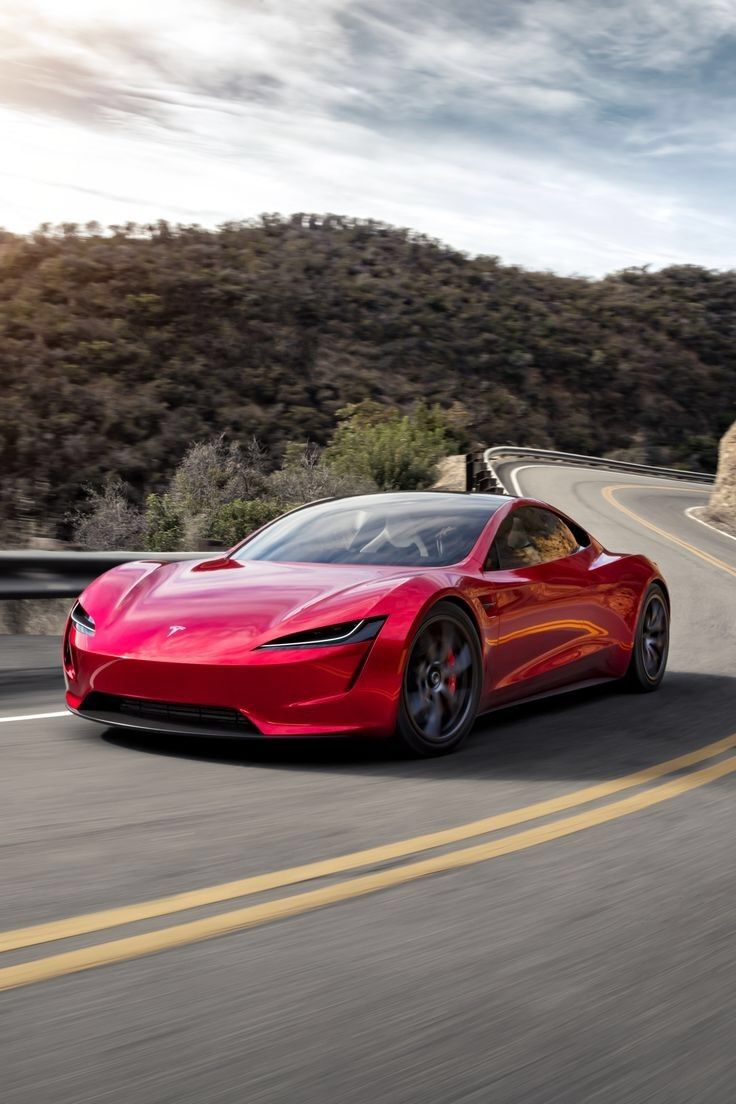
x,y
469,471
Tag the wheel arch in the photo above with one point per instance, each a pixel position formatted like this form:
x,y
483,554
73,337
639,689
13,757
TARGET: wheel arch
x,y
466,607
657,580
653,580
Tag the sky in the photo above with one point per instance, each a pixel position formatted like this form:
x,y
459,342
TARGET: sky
x,y
572,135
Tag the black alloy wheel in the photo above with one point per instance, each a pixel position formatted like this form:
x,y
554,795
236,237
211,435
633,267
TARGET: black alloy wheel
x,y
651,642
442,683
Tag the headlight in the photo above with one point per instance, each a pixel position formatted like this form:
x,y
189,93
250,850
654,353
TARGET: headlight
x,y
82,621
347,632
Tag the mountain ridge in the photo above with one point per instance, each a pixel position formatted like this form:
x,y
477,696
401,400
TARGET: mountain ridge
x,y
120,348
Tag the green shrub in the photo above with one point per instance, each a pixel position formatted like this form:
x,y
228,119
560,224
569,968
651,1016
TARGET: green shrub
x,y
164,524
234,520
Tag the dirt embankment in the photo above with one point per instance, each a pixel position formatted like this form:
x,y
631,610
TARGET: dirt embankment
x,y
451,474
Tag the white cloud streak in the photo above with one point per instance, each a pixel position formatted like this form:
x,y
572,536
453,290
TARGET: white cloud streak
x,y
565,134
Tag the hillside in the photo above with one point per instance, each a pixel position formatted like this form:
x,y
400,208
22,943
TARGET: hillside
x,y
120,349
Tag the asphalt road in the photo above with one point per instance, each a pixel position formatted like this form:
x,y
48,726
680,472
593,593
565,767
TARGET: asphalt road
x,y
587,962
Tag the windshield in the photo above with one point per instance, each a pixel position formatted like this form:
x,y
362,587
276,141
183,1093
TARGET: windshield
x,y
397,530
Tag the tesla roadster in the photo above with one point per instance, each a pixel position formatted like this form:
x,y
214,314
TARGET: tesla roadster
x,y
396,615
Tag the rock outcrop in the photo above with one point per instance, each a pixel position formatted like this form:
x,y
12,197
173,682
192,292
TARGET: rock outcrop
x,y
721,509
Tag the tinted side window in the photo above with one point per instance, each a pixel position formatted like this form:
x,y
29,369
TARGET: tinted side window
x,y
530,536
549,535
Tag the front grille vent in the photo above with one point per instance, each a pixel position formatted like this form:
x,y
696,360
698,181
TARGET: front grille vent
x,y
175,713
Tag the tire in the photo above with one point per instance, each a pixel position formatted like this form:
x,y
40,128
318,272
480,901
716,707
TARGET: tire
x,y
441,684
651,643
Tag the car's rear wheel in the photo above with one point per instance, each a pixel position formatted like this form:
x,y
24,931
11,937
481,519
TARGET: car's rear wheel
x,y
441,684
651,643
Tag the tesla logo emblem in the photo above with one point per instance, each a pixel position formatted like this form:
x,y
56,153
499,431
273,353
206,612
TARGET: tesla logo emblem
x,y
175,629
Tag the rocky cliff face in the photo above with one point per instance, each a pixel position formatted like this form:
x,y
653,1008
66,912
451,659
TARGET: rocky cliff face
x,y
722,507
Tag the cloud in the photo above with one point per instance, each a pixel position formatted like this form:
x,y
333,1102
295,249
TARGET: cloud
x,y
571,134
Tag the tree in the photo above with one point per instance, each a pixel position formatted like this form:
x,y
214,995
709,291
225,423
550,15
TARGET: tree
x,y
395,451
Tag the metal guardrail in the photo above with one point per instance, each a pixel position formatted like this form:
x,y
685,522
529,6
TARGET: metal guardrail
x,y
481,474
34,574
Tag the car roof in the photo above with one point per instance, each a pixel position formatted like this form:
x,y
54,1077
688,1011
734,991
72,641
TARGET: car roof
x,y
470,500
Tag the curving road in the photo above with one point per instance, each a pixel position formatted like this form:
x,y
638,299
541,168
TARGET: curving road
x,y
583,950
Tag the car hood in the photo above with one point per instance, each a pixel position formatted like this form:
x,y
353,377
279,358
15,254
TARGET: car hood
x,y
204,608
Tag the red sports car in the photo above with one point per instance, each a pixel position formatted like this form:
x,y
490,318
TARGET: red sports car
x,y
398,615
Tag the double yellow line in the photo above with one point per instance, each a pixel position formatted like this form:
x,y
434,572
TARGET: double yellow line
x,y
610,497
134,946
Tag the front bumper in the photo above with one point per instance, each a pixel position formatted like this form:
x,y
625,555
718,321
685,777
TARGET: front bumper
x,y
297,692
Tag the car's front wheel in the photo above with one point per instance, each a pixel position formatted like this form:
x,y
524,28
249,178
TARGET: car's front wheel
x,y
651,643
441,684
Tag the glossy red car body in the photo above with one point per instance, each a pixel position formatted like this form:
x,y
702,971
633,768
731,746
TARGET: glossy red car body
x,y
189,633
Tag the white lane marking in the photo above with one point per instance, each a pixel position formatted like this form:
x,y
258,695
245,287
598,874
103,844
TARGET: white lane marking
x,y
513,477
36,716
693,517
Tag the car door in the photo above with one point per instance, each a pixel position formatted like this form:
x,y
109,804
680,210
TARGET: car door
x,y
540,587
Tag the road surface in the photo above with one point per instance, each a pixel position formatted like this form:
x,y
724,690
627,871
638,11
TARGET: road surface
x,y
584,951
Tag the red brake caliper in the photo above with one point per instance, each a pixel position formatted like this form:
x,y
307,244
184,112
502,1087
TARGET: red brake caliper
x,y
452,679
